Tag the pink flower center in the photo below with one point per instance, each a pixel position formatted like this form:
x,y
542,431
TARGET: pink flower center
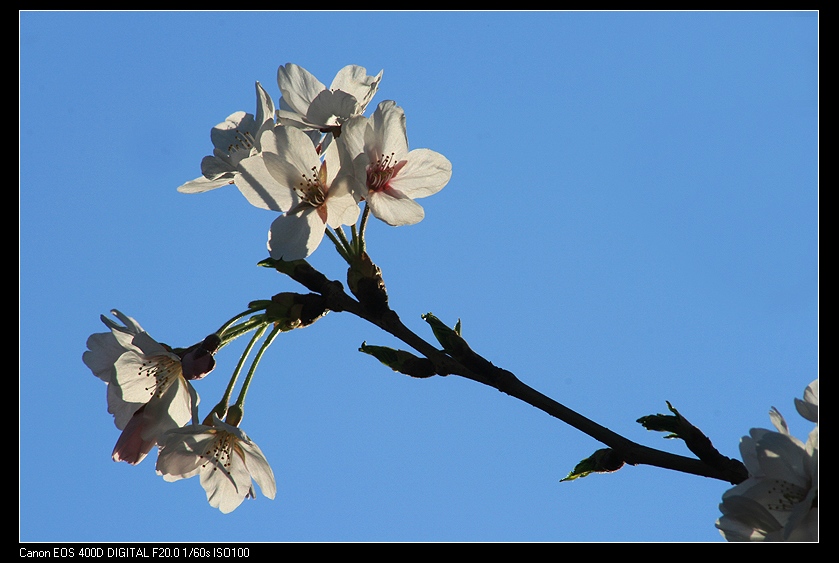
x,y
380,173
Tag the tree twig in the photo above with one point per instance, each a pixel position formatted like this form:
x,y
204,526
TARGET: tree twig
x,y
471,365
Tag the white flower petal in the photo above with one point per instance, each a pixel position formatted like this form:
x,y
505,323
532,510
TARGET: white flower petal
x,y
778,421
332,159
132,447
354,80
202,184
237,432
122,410
290,118
226,487
129,325
292,147
103,351
218,167
425,173
234,140
295,236
148,346
331,108
812,446
260,187
152,421
264,109
298,87
388,132
809,407
181,451
394,208
306,103
746,520
259,469
803,522
748,451
341,204
376,150
351,147
782,457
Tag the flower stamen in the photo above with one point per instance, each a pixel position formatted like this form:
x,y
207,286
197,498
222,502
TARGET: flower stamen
x,y
219,453
164,370
380,172
244,142
313,189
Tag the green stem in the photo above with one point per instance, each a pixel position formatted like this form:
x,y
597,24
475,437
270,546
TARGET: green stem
x,y
338,246
221,408
356,243
226,325
234,332
240,402
362,246
347,245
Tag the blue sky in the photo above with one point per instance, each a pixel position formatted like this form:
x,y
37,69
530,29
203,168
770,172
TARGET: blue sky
x,y
632,219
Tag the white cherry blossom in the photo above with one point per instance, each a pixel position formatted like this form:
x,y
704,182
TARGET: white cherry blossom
x,y
779,500
307,104
236,157
392,176
147,393
225,458
324,195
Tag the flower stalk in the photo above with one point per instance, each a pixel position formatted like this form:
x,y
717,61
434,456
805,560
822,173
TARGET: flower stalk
x,y
240,402
221,408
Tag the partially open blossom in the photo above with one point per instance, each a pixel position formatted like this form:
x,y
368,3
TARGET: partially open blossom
x,y
324,195
392,176
236,157
225,458
779,500
147,393
307,104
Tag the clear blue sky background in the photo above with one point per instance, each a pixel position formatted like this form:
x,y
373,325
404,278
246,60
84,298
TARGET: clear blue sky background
x,y
632,219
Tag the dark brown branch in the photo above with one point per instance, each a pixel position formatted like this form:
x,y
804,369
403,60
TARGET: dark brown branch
x,y
472,366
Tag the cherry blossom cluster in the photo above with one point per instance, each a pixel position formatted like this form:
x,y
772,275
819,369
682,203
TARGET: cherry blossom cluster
x,y
151,395
315,160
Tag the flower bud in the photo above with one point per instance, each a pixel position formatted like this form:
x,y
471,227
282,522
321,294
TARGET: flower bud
x,y
675,424
401,361
449,338
198,360
294,310
602,461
